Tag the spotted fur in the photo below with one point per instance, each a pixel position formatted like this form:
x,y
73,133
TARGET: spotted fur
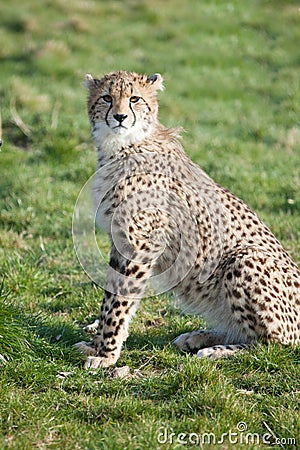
x,y
170,222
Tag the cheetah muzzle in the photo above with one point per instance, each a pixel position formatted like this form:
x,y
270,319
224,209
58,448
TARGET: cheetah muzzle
x,y
169,221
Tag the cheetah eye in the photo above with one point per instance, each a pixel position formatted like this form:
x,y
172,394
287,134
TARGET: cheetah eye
x,y
134,99
107,98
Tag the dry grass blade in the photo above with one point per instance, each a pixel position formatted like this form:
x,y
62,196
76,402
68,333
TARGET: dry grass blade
x,y
17,119
55,112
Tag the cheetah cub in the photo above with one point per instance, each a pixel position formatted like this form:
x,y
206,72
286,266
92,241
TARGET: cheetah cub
x,y
169,223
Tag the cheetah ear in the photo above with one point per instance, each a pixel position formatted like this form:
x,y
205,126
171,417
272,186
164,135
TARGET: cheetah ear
x,y
156,81
90,82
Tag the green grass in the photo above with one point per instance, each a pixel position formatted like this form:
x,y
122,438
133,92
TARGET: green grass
x,y
231,72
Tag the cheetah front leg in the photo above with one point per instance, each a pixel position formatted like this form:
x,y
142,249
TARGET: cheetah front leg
x,y
125,286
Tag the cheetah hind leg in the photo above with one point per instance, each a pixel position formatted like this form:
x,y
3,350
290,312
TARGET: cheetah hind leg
x,y
196,340
205,343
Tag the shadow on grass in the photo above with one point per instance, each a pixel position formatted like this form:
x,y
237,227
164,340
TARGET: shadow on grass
x,y
32,335
154,338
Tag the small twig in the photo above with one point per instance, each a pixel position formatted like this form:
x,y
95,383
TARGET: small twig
x,y
55,112
273,434
148,360
17,119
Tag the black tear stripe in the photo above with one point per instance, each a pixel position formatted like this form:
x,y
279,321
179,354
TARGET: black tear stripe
x,y
130,106
106,115
134,116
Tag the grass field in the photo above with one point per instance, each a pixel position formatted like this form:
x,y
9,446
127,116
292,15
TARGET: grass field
x,y
232,81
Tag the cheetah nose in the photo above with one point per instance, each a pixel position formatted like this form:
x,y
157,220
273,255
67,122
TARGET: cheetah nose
x,y
120,117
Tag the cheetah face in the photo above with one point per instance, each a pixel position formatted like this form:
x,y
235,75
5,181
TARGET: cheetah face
x,y
122,108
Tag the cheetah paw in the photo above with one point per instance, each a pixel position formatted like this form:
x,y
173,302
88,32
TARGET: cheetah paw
x,y
181,342
191,342
92,327
96,362
85,348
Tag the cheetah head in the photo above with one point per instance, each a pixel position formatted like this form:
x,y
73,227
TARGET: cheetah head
x,y
122,108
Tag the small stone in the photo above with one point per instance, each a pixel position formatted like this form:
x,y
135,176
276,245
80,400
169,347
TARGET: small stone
x,y
120,372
